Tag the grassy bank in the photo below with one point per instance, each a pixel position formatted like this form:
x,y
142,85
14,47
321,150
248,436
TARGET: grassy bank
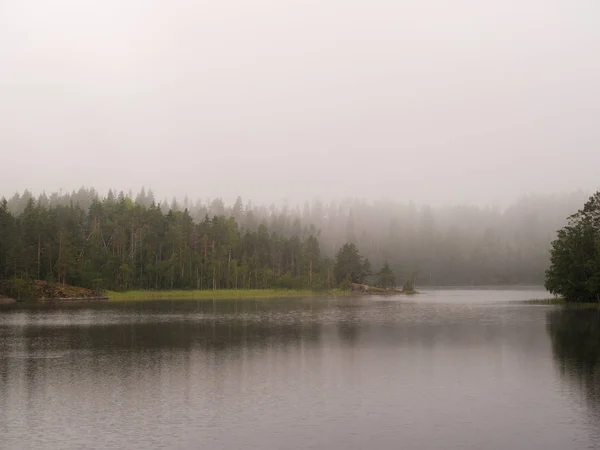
x,y
209,294
236,293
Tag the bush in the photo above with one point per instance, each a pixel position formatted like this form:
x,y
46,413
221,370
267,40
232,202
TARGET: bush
x,y
345,284
287,281
19,289
409,284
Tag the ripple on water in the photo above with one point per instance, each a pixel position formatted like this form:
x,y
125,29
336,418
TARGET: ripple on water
x,y
36,355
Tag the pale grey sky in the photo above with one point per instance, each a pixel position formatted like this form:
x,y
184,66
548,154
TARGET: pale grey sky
x,y
424,100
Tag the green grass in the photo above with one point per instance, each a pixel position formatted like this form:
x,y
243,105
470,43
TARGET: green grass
x,y
223,294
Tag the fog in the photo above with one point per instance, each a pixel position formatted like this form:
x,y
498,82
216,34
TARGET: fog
x,y
431,101
451,245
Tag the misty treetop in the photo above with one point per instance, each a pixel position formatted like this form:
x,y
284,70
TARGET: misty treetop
x,y
574,271
452,245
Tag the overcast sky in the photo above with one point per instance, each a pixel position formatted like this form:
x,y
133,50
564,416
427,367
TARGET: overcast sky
x,y
428,100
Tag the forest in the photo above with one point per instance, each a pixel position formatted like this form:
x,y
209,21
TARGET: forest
x,y
119,245
123,241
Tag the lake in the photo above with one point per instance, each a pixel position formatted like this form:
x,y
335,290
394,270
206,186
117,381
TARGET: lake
x,y
448,369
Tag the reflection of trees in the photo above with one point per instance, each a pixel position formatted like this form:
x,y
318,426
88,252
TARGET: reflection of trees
x,y
140,339
179,325
210,333
349,323
575,335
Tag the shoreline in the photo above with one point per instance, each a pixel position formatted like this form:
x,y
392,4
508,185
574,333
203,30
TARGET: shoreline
x,y
220,294
242,294
73,299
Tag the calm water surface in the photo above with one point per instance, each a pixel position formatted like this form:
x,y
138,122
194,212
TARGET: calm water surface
x,y
450,369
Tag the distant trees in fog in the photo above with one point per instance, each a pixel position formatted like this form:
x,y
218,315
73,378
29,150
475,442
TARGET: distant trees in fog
x,y
453,245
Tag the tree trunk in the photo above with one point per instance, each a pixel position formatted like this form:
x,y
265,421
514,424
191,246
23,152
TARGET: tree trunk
x,y
39,256
59,254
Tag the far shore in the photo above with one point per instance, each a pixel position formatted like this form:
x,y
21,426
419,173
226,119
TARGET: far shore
x,y
230,294
223,294
44,292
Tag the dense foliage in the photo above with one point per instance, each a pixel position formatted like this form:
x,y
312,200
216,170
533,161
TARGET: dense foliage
x,y
118,244
351,265
450,245
574,271
386,278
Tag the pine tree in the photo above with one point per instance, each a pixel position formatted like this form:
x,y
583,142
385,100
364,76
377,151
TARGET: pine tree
x,y
386,278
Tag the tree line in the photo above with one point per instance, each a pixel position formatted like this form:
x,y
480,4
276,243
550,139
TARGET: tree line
x,y
444,245
119,244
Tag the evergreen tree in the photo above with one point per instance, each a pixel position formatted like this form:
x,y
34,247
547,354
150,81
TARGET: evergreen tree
x,y
349,263
386,278
367,269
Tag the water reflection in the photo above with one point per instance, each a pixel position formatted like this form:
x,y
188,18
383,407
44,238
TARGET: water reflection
x,y
575,335
344,374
